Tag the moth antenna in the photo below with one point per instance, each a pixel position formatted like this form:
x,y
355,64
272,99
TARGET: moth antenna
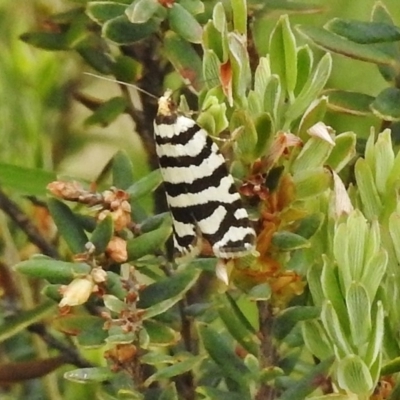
x,y
122,83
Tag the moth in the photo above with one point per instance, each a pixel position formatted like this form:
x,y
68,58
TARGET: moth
x,y
200,192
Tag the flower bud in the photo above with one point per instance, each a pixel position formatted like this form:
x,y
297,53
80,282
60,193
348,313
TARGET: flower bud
x,y
116,249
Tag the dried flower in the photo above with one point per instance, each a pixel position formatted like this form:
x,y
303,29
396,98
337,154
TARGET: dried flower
x,y
116,249
99,275
65,190
77,292
118,207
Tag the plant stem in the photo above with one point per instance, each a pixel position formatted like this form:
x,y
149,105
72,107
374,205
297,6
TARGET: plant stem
x,y
268,354
25,223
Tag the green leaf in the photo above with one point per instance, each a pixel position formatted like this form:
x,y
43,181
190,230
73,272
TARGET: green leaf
x,y
122,170
160,334
272,97
160,296
364,32
334,329
13,325
102,235
224,356
156,358
315,339
387,104
314,114
89,375
287,319
394,230
239,11
375,342
314,154
184,59
288,241
140,11
332,291
169,393
52,292
155,221
311,89
264,129
107,112
114,304
343,152
359,307
384,160
237,324
330,41
52,270
261,292
353,375
262,76
29,181
193,6
283,54
89,330
148,243
211,393
103,11
351,245
380,14
246,139
311,182
372,204
46,40
114,285
215,45
92,333
217,32
240,64
121,31
95,56
305,61
306,385
213,118
347,102
184,24
173,370
126,69
146,185
309,225
68,226
374,271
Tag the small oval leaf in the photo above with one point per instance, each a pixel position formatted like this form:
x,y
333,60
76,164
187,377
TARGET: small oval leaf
x,y
89,375
53,271
68,226
184,24
288,241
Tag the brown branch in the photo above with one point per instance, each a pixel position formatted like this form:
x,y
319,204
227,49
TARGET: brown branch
x,y
269,355
25,223
69,353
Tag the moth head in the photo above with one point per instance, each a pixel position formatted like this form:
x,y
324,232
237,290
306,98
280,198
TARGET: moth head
x,y
166,105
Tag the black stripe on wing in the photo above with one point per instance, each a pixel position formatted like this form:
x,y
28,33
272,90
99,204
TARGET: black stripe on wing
x,y
198,185
179,138
186,161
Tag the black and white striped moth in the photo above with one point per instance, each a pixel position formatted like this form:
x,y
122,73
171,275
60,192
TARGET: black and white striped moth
x,y
201,193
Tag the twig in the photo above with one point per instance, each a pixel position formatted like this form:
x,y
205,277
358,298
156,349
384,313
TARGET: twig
x,y
269,356
69,353
24,222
